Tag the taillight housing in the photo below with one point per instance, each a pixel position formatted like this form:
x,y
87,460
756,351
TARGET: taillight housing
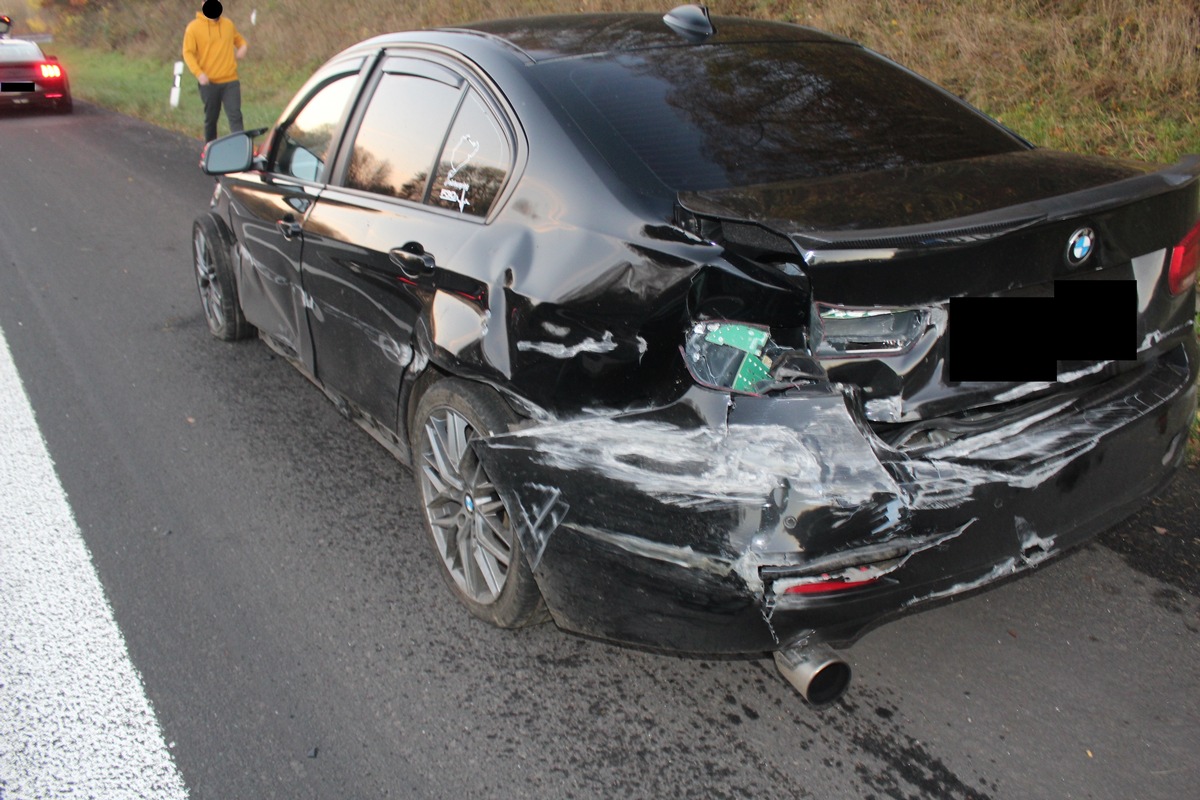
x,y
50,70
1185,259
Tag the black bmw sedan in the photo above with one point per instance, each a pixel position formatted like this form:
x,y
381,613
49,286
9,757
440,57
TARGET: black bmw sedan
x,y
712,335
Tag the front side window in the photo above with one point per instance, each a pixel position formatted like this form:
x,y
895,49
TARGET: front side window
x,y
307,138
401,133
474,162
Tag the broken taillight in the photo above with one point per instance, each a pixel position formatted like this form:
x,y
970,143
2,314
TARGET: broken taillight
x,y
1185,259
846,332
827,583
51,71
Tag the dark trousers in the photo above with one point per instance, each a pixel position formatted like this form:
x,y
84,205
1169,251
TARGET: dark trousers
x,y
214,95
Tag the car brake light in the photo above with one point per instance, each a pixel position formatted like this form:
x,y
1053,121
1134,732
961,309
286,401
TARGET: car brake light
x,y
51,71
1185,259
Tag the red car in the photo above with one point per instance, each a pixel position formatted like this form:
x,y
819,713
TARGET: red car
x,y
28,77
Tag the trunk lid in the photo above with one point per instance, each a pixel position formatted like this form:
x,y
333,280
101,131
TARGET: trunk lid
x,y
970,227
992,227
20,72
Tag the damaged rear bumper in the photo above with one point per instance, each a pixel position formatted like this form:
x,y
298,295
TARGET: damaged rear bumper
x,y
748,524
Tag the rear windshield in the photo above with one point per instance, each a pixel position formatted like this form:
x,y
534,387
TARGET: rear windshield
x,y
703,117
12,51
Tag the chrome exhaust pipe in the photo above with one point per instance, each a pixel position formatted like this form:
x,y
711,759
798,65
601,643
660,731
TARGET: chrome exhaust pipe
x,y
816,672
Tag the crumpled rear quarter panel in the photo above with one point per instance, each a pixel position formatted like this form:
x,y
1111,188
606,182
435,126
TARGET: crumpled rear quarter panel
x,y
681,527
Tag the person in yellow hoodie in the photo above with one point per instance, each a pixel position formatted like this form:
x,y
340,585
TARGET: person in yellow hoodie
x,y
211,49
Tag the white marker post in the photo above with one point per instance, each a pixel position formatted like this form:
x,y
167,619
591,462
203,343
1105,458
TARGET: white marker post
x,y
175,88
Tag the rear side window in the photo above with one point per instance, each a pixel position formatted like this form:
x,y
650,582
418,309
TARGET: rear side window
x,y
401,134
304,146
715,117
474,162
14,52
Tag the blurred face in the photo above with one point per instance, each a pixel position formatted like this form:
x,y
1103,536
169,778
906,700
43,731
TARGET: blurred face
x,y
211,9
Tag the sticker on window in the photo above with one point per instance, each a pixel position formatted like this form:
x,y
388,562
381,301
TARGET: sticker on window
x,y
456,191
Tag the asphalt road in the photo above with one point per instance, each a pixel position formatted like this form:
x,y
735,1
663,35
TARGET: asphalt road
x,y
264,561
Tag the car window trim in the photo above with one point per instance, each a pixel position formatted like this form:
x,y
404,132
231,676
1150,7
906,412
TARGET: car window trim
x,y
421,68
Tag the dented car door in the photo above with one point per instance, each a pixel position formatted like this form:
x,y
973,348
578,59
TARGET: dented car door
x,y
381,243
268,211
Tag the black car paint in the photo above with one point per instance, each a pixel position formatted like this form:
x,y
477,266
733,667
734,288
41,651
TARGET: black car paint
x,y
572,299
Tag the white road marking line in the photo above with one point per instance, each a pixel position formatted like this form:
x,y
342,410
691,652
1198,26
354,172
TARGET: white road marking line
x,y
74,717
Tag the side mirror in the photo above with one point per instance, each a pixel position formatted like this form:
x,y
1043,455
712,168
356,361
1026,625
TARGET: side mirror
x,y
232,153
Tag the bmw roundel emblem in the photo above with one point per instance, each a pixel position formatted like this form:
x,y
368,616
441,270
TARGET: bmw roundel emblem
x,y
1080,246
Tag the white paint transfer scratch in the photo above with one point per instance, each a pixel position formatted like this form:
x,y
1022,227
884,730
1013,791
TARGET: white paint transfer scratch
x,y
561,331
1154,337
646,548
702,467
1018,455
1090,369
1005,434
1034,549
885,409
605,345
74,717
1017,392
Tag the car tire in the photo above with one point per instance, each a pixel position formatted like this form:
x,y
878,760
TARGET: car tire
x,y
64,105
465,518
213,267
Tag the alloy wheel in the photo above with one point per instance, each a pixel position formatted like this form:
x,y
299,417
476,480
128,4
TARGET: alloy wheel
x,y
206,280
470,526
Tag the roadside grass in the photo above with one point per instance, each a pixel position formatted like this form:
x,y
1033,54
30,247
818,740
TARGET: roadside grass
x,y
1118,78
140,86
1113,77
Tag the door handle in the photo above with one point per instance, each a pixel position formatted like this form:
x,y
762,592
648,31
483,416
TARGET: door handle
x,y
412,259
289,227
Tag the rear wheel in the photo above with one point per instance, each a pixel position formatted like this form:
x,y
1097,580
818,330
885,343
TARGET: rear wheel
x,y
468,523
215,281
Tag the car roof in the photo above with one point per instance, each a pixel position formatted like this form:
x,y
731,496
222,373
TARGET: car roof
x,y
575,35
552,37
